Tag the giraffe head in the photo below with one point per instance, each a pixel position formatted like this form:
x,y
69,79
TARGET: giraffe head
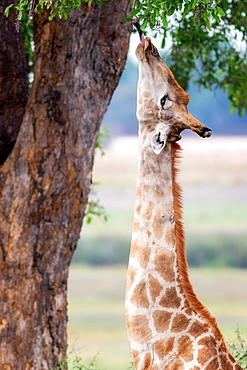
x,y
162,103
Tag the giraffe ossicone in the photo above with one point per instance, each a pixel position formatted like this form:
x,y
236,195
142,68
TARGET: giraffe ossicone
x,y
168,327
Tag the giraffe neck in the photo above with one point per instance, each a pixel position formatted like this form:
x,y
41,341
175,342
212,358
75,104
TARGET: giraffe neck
x,y
168,327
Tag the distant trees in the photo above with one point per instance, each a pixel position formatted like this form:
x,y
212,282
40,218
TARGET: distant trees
x,y
209,249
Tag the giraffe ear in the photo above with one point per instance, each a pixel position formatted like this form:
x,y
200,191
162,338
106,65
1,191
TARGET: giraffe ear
x,y
158,142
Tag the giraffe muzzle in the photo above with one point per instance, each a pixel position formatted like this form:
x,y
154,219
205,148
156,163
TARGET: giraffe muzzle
x,y
205,132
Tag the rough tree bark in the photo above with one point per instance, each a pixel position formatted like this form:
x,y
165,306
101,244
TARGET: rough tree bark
x,y
13,81
45,182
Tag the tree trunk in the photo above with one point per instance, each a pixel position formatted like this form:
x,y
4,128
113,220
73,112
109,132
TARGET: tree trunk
x,y
45,182
13,81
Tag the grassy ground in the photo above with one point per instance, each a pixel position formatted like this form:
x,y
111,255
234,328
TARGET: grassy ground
x,y
96,309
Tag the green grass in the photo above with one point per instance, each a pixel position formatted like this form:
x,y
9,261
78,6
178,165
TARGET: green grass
x,y
238,349
96,310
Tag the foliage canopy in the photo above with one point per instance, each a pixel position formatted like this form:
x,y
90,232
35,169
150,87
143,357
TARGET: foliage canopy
x,y
210,36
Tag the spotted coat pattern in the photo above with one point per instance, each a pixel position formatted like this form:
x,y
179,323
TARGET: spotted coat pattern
x,y
168,326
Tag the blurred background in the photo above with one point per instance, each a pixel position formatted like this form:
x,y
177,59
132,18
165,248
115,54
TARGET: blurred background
x,y
214,181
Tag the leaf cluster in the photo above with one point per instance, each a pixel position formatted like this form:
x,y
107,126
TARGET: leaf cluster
x,y
150,13
75,362
95,209
238,349
209,38
104,134
60,8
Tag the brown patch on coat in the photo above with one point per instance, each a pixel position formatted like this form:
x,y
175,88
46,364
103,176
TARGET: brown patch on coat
x,y
177,364
158,224
180,323
146,94
147,361
170,235
143,254
138,328
213,365
146,188
138,208
161,320
154,287
133,248
164,264
139,297
159,194
185,348
197,329
170,299
155,367
136,357
138,192
147,211
136,226
149,103
163,347
225,362
131,276
209,349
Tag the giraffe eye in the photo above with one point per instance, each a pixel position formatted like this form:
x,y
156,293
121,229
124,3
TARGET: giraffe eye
x,y
163,100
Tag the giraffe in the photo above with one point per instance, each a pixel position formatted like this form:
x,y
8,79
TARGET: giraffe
x,y
168,327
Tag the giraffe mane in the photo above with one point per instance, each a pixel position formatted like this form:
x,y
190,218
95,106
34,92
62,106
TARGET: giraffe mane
x,y
181,252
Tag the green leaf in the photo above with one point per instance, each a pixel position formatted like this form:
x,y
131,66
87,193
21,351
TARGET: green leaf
x,y
164,21
221,11
232,109
152,23
6,12
217,18
19,15
52,15
170,11
194,4
156,13
133,12
89,220
144,24
208,25
127,19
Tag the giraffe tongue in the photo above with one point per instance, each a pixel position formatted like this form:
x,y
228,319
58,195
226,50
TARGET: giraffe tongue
x,y
141,35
